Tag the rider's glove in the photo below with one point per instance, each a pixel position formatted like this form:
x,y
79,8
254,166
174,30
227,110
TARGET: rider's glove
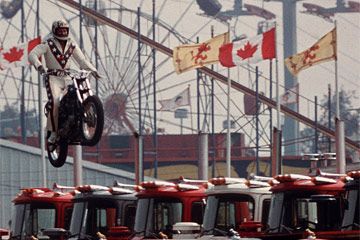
x,y
41,69
96,74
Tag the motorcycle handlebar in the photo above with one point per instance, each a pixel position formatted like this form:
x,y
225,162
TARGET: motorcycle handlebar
x,y
69,72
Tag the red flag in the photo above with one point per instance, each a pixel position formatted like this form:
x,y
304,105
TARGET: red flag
x,y
250,50
17,56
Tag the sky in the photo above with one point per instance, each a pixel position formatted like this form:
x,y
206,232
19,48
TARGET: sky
x,y
186,19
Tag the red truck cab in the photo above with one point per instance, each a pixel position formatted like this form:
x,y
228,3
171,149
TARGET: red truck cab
x,y
302,206
351,220
162,204
40,208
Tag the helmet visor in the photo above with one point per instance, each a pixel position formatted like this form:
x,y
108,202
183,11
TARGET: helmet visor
x,y
62,32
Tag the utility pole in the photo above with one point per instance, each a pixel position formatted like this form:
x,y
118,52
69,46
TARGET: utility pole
x,y
77,148
140,137
155,138
291,127
41,115
22,104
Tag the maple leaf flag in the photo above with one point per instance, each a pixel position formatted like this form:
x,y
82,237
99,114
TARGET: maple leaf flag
x,y
190,56
322,51
17,56
181,99
251,50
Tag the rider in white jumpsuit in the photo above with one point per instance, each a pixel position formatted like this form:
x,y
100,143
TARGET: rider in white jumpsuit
x,y
58,49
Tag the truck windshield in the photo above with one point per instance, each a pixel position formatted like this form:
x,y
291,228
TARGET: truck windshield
x,y
293,212
155,215
99,215
31,219
224,212
17,220
351,214
77,218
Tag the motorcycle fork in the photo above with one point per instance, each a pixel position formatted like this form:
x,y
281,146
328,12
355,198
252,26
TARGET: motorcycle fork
x,y
77,87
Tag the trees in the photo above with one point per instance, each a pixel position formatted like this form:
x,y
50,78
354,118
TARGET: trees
x,y
10,121
348,113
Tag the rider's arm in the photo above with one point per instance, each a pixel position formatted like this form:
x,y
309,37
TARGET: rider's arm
x,y
81,60
36,53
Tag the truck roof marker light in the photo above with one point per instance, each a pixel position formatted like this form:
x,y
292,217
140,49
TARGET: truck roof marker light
x,y
260,178
62,188
208,185
329,175
291,177
156,184
74,192
273,182
138,188
30,191
354,174
59,194
226,180
256,184
186,187
124,185
120,191
322,180
91,188
182,179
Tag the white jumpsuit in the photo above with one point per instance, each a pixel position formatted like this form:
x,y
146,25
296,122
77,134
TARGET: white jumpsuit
x,y
57,58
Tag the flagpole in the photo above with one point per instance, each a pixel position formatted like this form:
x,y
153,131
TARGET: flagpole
x,y
340,128
22,100
270,109
140,137
336,80
228,136
41,116
198,95
257,119
278,107
155,138
191,113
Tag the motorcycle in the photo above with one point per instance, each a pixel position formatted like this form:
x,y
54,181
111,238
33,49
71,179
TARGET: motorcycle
x,y
80,119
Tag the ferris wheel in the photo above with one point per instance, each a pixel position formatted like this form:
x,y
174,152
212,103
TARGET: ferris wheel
x,y
116,56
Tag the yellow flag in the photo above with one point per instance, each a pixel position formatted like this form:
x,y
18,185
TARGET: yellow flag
x,y
188,57
322,51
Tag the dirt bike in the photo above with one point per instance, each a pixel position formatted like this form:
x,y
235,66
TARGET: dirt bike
x,y
80,118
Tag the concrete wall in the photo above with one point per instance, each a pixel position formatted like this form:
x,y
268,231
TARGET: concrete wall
x,y
21,167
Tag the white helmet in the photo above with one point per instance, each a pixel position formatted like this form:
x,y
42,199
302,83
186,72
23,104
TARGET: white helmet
x,y
60,29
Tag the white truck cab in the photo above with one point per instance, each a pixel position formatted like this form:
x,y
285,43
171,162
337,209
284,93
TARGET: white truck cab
x,y
235,206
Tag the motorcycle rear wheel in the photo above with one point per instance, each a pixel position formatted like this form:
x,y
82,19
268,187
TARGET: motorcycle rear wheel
x,y
57,157
93,121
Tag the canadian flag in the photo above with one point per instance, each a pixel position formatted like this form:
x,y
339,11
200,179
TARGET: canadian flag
x,y
250,50
17,56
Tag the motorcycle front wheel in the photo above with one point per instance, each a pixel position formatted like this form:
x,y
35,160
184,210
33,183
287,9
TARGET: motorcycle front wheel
x,y
93,121
57,156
